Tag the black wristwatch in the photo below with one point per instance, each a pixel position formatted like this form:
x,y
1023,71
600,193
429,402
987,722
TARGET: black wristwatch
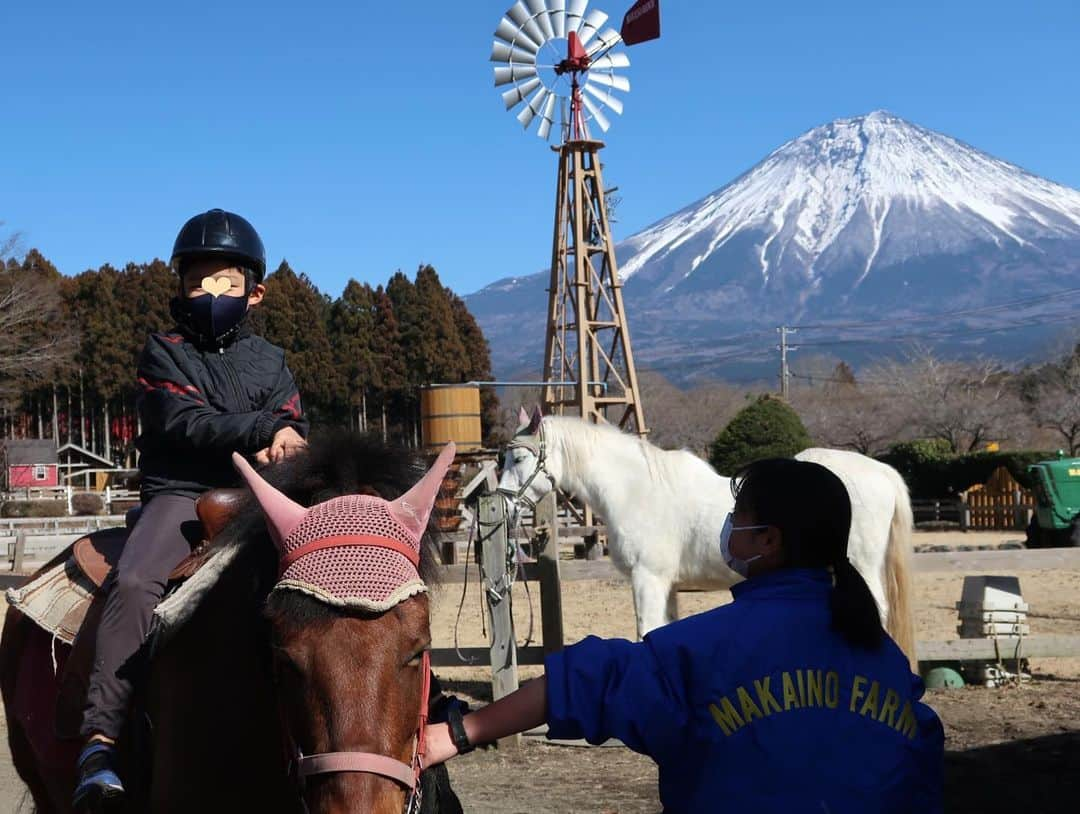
x,y
457,729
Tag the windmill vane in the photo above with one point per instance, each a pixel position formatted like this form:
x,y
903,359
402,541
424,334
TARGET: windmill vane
x,y
563,38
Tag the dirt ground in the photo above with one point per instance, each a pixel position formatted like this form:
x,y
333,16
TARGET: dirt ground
x,y
1010,749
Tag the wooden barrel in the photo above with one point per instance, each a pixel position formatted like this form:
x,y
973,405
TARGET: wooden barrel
x,y
450,412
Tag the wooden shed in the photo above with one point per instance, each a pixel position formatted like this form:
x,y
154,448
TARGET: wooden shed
x,y
30,464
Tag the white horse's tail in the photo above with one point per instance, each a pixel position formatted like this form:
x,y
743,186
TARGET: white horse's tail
x,y
901,620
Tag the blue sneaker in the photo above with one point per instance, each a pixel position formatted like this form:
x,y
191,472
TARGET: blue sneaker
x,y
99,784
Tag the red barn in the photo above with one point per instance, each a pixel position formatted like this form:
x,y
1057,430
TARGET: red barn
x,y
31,464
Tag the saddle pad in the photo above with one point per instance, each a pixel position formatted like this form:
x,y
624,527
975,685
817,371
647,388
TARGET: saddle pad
x,y
56,600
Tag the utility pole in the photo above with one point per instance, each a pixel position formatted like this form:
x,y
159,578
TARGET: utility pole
x,y
783,347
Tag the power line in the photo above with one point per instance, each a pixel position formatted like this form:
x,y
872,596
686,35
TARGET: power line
x,y
1055,296
944,334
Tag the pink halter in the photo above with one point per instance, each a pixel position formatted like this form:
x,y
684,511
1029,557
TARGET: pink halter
x,y
355,551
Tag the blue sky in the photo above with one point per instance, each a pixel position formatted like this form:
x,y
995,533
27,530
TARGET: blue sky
x,y
365,137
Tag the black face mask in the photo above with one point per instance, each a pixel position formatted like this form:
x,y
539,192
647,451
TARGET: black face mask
x,y
211,318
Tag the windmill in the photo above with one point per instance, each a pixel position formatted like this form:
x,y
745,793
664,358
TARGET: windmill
x,y
557,59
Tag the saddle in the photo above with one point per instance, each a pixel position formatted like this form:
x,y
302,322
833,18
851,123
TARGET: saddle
x,y
94,557
97,554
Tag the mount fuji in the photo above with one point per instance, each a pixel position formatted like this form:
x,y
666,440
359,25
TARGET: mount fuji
x,y
868,232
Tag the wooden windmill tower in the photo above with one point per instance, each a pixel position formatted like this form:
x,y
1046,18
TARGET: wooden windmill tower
x,y
553,53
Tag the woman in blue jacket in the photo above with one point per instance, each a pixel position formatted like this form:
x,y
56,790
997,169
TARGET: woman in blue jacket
x,y
791,698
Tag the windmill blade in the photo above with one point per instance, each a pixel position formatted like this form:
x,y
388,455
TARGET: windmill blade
x,y
557,10
575,11
609,61
546,117
514,73
501,52
516,94
605,97
594,111
512,35
564,118
591,25
540,14
609,39
535,105
521,15
611,80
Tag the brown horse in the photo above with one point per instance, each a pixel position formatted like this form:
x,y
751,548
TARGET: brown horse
x,y
223,697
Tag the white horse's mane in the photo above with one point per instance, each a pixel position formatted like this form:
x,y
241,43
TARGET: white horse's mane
x,y
584,441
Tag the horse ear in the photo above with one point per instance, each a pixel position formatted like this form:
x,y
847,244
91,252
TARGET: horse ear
x,y
523,417
414,507
282,514
534,422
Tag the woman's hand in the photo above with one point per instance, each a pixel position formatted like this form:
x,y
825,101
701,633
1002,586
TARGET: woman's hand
x,y
438,745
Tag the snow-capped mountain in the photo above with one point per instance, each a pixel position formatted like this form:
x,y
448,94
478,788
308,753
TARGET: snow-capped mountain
x,y
868,220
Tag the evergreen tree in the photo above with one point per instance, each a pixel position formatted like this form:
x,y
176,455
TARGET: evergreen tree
x,y
407,313
106,353
442,355
389,376
767,428
478,368
294,317
352,333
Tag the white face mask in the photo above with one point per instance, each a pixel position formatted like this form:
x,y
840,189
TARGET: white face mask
x,y
740,567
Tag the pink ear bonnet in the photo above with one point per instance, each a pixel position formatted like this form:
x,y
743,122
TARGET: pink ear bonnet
x,y
352,551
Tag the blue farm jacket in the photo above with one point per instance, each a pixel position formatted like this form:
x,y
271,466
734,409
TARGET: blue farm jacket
x,y
758,706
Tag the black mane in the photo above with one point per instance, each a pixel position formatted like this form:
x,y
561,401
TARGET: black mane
x,y
337,462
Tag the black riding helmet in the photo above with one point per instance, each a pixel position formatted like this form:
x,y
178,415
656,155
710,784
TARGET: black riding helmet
x,y
220,233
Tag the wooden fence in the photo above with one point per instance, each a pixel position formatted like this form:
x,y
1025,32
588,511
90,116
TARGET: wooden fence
x,y
1000,504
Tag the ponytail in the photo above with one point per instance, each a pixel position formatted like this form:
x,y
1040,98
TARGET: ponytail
x,y
855,614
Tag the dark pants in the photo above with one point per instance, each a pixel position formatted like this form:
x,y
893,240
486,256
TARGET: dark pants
x,y
164,534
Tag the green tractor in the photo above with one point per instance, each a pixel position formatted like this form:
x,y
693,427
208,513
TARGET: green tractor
x,y
1056,521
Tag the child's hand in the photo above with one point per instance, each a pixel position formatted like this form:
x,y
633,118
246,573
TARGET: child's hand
x,y
438,745
287,441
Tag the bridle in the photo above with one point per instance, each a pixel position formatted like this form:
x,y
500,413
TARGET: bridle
x,y
301,766
520,495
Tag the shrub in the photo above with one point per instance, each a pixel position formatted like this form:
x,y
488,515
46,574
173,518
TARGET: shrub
x,y
932,472
767,428
83,503
34,508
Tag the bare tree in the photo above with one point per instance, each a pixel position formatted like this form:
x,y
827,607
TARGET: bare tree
x,y
844,411
1055,402
966,404
33,339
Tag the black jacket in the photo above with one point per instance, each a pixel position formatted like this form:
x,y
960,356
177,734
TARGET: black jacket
x,y
199,404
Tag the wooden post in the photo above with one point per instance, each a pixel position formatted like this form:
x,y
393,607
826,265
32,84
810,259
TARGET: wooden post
x,y
20,550
504,675
593,549
449,552
547,561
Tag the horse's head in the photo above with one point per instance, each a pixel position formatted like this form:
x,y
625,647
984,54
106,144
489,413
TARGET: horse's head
x,y
526,476
350,637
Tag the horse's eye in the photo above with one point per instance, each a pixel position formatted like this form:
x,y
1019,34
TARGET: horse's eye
x,y
414,661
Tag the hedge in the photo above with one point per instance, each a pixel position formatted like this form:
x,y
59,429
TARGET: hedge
x,y
34,508
933,472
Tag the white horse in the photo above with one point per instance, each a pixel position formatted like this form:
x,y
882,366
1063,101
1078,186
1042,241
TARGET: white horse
x,y
664,511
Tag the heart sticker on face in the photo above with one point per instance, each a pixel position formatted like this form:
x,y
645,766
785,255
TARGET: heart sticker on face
x,y
216,285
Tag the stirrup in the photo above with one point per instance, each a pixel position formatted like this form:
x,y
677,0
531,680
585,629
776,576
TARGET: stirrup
x,y
101,786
